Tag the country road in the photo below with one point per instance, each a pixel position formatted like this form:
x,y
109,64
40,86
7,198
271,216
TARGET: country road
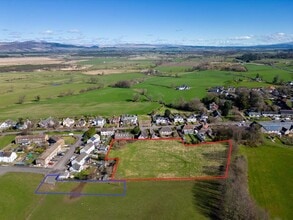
x,y
7,169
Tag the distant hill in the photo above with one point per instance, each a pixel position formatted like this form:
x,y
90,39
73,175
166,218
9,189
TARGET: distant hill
x,y
39,46
43,46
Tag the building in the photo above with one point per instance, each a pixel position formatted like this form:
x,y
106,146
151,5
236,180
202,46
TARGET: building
x,y
145,123
144,134
178,119
88,148
7,124
286,114
29,139
182,87
165,131
123,135
191,118
48,123
107,131
273,127
188,129
94,139
252,114
51,152
78,163
68,122
99,122
161,120
7,157
128,120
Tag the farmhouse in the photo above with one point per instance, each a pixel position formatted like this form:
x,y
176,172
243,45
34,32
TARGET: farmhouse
x,y
51,152
7,157
165,131
88,148
94,139
107,131
28,139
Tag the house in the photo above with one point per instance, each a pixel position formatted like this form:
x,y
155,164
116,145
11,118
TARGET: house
x,y
145,123
165,131
24,125
88,148
287,131
49,153
188,129
178,119
94,139
253,114
7,157
80,123
161,120
81,159
213,106
191,118
128,120
7,124
68,122
144,134
115,120
270,114
183,87
48,123
98,122
123,135
28,139
200,136
107,131
216,113
63,175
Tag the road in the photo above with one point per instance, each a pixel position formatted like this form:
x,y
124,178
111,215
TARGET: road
x,y
7,169
61,164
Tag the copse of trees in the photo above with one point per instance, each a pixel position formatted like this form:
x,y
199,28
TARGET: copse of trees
x,y
123,84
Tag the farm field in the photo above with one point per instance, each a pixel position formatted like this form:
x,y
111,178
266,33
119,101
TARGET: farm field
x,y
270,178
5,140
168,159
155,200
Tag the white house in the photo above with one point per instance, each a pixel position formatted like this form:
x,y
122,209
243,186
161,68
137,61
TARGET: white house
x,y
188,129
178,119
7,124
165,131
191,118
107,131
129,119
161,121
99,122
78,163
7,157
88,148
94,139
68,122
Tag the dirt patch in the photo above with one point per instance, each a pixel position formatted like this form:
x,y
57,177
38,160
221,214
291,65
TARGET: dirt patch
x,y
108,71
28,61
77,191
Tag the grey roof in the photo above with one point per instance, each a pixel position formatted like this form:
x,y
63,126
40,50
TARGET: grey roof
x,y
275,126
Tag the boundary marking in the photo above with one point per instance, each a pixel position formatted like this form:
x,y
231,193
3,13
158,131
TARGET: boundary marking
x,y
224,176
80,181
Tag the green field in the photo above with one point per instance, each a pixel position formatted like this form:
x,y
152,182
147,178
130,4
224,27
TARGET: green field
x,y
270,178
5,140
143,200
167,159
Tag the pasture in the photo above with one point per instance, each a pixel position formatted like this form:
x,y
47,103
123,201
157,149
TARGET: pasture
x,y
167,159
270,178
5,140
155,200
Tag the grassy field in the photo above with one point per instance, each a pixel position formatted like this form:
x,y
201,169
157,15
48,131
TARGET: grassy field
x,y
143,200
167,158
5,140
270,178
51,87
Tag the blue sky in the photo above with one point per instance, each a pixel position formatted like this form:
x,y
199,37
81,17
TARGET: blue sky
x,y
108,22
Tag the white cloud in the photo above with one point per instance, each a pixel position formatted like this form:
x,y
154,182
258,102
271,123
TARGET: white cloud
x,y
48,32
74,31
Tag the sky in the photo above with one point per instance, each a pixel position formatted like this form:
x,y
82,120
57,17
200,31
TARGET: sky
x,y
110,22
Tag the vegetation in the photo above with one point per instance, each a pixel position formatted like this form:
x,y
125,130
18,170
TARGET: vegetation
x,y
5,140
270,179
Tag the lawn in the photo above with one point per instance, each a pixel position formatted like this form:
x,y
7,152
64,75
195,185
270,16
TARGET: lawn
x,y
270,178
167,159
143,200
5,140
